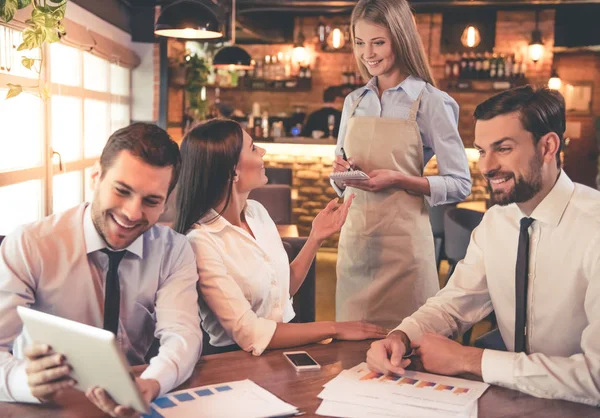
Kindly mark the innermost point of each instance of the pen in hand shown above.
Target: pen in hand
(345, 158)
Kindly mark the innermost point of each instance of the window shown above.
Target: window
(90, 100)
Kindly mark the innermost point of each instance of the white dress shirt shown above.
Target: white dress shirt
(438, 124)
(56, 266)
(563, 298)
(244, 282)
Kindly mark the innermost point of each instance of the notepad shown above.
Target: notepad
(349, 175)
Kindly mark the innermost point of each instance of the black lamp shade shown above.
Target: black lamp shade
(190, 20)
(232, 57)
(536, 38)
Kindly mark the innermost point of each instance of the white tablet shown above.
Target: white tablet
(92, 353)
(349, 175)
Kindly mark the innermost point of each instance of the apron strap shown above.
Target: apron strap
(357, 102)
(415, 107)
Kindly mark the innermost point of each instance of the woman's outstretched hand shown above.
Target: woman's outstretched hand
(330, 219)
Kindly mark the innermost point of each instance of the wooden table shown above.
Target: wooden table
(288, 231)
(273, 372)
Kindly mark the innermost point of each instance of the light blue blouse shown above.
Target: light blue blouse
(438, 123)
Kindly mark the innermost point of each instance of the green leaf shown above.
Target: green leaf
(27, 62)
(8, 10)
(52, 36)
(14, 90)
(24, 3)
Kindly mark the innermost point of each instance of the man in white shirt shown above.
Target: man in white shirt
(543, 285)
(105, 264)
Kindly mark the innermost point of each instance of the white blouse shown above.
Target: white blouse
(244, 282)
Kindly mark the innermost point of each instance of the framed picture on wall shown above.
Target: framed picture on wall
(578, 97)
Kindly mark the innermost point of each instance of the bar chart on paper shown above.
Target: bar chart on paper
(359, 392)
(243, 398)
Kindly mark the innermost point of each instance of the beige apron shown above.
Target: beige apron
(386, 264)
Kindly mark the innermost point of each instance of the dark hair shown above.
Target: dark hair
(210, 153)
(330, 94)
(541, 111)
(146, 141)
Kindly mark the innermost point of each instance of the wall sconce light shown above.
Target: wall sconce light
(555, 82)
(189, 20)
(536, 46)
(299, 53)
(336, 39)
(470, 37)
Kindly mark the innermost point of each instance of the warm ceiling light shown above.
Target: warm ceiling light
(189, 20)
(470, 37)
(555, 82)
(232, 57)
(336, 39)
(536, 46)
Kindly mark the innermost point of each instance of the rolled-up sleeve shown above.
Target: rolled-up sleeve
(18, 272)
(177, 322)
(226, 299)
(438, 123)
(575, 378)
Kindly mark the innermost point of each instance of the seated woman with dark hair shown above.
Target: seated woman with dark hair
(246, 282)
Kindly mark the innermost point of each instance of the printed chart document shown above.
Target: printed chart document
(359, 392)
(243, 399)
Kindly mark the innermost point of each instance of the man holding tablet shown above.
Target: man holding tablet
(108, 265)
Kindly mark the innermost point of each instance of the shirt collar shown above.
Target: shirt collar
(411, 85)
(551, 209)
(214, 223)
(95, 242)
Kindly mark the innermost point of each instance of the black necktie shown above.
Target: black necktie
(521, 283)
(112, 297)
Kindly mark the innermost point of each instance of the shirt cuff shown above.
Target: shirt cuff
(497, 368)
(162, 372)
(411, 329)
(438, 192)
(339, 191)
(267, 330)
(18, 387)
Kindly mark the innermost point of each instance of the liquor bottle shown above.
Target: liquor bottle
(257, 127)
(448, 69)
(308, 72)
(478, 66)
(494, 67)
(352, 78)
(301, 72)
(456, 67)
(501, 67)
(472, 60)
(508, 67)
(486, 66)
(265, 125)
(321, 32)
(516, 72)
(523, 69)
(463, 65)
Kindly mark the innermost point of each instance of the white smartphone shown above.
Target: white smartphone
(301, 361)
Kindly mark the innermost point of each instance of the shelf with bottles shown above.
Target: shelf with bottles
(484, 72)
(261, 84)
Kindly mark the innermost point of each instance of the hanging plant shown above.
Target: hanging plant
(197, 70)
(44, 26)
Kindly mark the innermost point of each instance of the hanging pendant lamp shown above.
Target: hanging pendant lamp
(189, 19)
(232, 57)
(536, 46)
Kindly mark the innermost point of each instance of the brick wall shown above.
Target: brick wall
(581, 156)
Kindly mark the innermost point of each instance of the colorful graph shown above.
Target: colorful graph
(407, 381)
(425, 384)
(371, 376)
(444, 387)
(391, 378)
(459, 391)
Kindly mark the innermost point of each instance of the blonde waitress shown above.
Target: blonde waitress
(390, 128)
